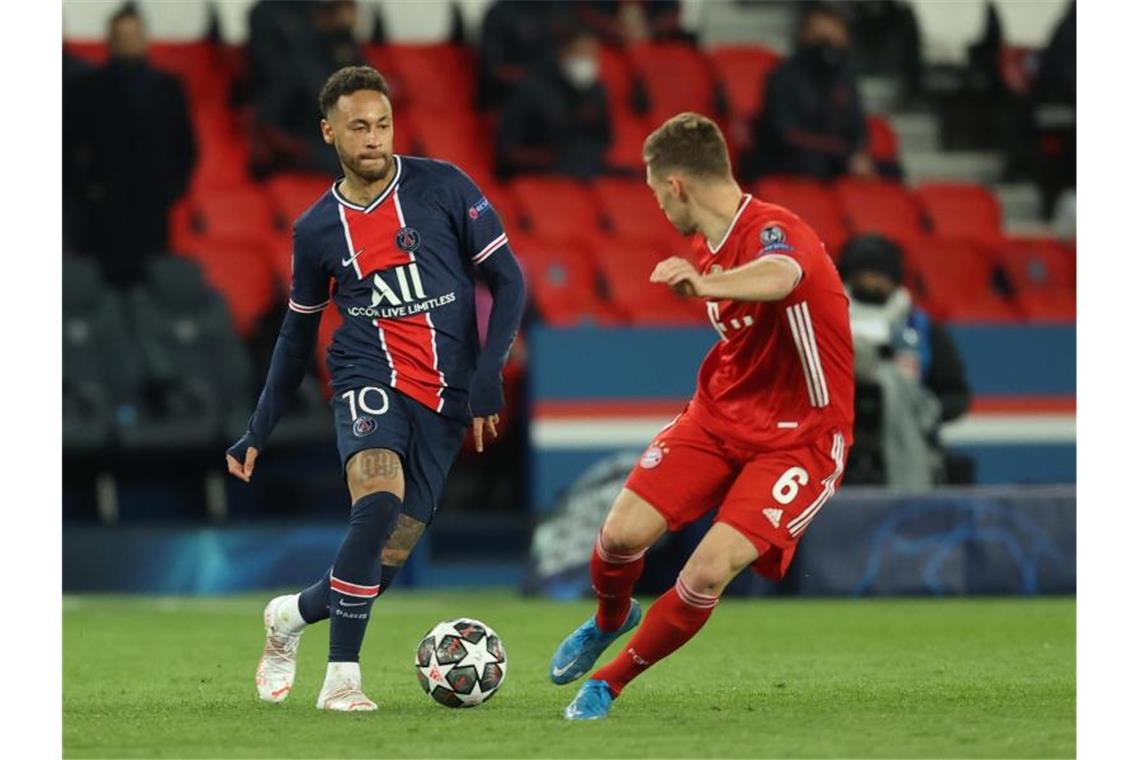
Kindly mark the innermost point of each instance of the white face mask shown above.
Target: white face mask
(581, 71)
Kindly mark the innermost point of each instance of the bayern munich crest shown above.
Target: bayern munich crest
(363, 425)
(407, 239)
(652, 457)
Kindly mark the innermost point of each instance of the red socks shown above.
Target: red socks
(671, 621)
(613, 576)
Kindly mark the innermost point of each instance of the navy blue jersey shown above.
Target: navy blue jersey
(403, 273)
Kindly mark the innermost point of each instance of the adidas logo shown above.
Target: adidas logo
(774, 516)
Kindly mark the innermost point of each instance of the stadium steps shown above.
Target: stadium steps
(879, 94)
(771, 25)
(917, 131)
(984, 167)
(1020, 203)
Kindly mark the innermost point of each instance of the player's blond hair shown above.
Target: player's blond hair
(689, 142)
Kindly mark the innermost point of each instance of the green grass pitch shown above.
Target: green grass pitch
(146, 677)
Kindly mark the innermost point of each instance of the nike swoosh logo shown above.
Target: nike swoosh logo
(351, 604)
(559, 671)
(350, 259)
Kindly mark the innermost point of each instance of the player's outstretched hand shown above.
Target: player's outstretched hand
(680, 275)
(243, 469)
(479, 424)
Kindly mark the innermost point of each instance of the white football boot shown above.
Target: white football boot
(278, 664)
(342, 691)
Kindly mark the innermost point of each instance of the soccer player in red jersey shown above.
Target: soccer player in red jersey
(764, 437)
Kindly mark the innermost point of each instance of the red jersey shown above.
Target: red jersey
(781, 374)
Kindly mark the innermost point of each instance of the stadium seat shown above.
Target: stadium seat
(743, 71)
(460, 138)
(241, 212)
(961, 210)
(238, 270)
(629, 133)
(882, 142)
(623, 89)
(292, 194)
(630, 210)
(626, 264)
(101, 368)
(198, 64)
(1042, 273)
(879, 206)
(439, 76)
(812, 201)
(953, 279)
(556, 209)
(198, 370)
(562, 280)
(677, 78)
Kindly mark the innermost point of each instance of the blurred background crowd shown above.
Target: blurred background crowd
(931, 147)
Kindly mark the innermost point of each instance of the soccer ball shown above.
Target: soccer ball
(461, 663)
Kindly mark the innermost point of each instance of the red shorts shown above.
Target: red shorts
(771, 497)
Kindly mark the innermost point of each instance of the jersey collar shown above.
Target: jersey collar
(378, 199)
(713, 249)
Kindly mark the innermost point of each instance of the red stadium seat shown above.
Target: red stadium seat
(556, 209)
(238, 269)
(459, 138)
(954, 280)
(743, 72)
(882, 142)
(879, 206)
(441, 76)
(199, 65)
(234, 213)
(626, 264)
(631, 210)
(93, 52)
(629, 133)
(1043, 275)
(961, 210)
(616, 73)
(677, 78)
(562, 280)
(292, 194)
(813, 202)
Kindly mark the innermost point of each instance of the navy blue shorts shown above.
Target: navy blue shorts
(378, 417)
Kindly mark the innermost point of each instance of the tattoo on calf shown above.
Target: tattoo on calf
(404, 537)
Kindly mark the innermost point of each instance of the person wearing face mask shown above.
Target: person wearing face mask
(128, 152)
(812, 122)
(557, 121)
(909, 377)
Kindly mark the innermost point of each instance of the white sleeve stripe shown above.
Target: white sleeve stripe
(306, 309)
(490, 248)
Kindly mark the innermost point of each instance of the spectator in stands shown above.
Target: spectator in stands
(517, 36)
(812, 122)
(909, 378)
(293, 49)
(1054, 101)
(628, 22)
(128, 153)
(558, 120)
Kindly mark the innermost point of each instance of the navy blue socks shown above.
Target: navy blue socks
(354, 582)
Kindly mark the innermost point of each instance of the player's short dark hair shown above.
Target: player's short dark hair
(348, 80)
(128, 10)
(689, 142)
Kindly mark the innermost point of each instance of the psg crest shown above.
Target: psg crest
(363, 425)
(407, 239)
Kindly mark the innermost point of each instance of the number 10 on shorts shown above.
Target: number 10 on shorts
(369, 400)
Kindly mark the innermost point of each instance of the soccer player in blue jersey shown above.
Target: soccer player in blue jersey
(400, 239)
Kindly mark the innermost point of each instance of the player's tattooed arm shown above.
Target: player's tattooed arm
(766, 279)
